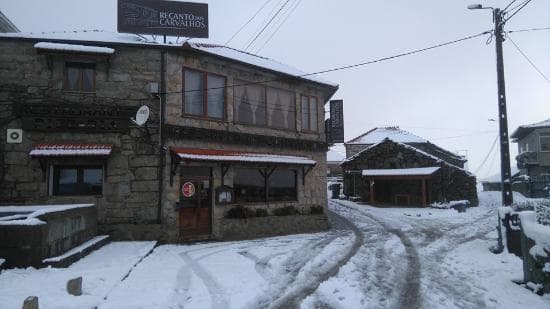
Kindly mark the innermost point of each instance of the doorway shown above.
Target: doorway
(195, 201)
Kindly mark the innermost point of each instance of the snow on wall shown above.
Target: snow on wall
(74, 48)
(539, 233)
(32, 212)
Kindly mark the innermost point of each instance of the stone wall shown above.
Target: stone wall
(130, 189)
(448, 183)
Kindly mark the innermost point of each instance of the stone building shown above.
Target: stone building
(234, 146)
(393, 166)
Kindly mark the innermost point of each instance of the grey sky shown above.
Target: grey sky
(439, 94)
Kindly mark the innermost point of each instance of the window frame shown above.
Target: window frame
(235, 111)
(308, 129)
(54, 184)
(266, 197)
(204, 76)
(545, 136)
(81, 66)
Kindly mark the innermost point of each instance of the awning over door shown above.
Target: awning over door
(237, 156)
(70, 149)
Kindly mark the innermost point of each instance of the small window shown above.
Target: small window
(250, 103)
(545, 143)
(309, 114)
(204, 94)
(80, 77)
(77, 180)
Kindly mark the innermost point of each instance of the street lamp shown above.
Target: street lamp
(505, 171)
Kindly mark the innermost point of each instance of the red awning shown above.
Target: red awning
(238, 156)
(71, 149)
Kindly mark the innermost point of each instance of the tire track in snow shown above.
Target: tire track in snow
(219, 299)
(299, 291)
(409, 296)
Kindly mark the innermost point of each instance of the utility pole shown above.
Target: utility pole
(505, 172)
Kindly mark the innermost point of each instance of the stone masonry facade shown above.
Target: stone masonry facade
(128, 207)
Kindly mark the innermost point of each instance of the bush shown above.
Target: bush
(240, 212)
(285, 211)
(260, 212)
(316, 210)
(542, 210)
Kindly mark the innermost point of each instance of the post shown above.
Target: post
(424, 197)
(505, 172)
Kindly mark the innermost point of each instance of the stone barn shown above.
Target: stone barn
(391, 171)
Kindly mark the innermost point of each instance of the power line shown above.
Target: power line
(248, 22)
(528, 60)
(509, 4)
(464, 135)
(487, 156)
(266, 25)
(521, 7)
(291, 11)
(525, 30)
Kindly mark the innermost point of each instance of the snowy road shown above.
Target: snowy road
(371, 258)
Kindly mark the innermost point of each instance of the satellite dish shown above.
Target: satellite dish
(142, 115)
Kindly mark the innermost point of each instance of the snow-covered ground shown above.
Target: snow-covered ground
(372, 258)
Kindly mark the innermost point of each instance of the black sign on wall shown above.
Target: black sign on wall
(336, 122)
(163, 17)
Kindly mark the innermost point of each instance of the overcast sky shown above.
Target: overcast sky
(445, 95)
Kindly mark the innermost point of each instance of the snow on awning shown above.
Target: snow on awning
(73, 48)
(52, 150)
(237, 156)
(420, 171)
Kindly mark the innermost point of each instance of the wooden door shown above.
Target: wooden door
(196, 202)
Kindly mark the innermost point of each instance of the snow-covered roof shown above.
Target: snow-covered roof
(237, 156)
(99, 37)
(377, 135)
(334, 155)
(524, 130)
(418, 171)
(44, 150)
(75, 48)
(30, 213)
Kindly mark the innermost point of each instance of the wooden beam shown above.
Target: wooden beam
(424, 197)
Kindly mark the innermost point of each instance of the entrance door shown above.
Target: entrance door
(195, 201)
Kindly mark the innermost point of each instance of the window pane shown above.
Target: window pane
(193, 100)
(282, 185)
(305, 113)
(281, 107)
(92, 181)
(248, 185)
(216, 97)
(545, 143)
(88, 76)
(313, 114)
(73, 79)
(250, 103)
(67, 181)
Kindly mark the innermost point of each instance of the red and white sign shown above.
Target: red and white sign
(188, 189)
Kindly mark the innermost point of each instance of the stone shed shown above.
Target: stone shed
(395, 173)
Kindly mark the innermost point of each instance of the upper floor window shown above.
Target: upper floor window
(545, 142)
(309, 114)
(80, 77)
(204, 94)
(264, 106)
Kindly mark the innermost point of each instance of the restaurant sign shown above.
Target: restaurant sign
(163, 17)
(336, 122)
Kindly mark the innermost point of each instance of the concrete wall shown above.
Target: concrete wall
(28, 245)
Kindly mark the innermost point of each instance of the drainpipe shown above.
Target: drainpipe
(162, 150)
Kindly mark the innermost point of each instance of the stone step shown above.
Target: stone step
(78, 252)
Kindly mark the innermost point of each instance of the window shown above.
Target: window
(80, 77)
(250, 185)
(282, 185)
(204, 94)
(309, 114)
(264, 106)
(544, 142)
(77, 180)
